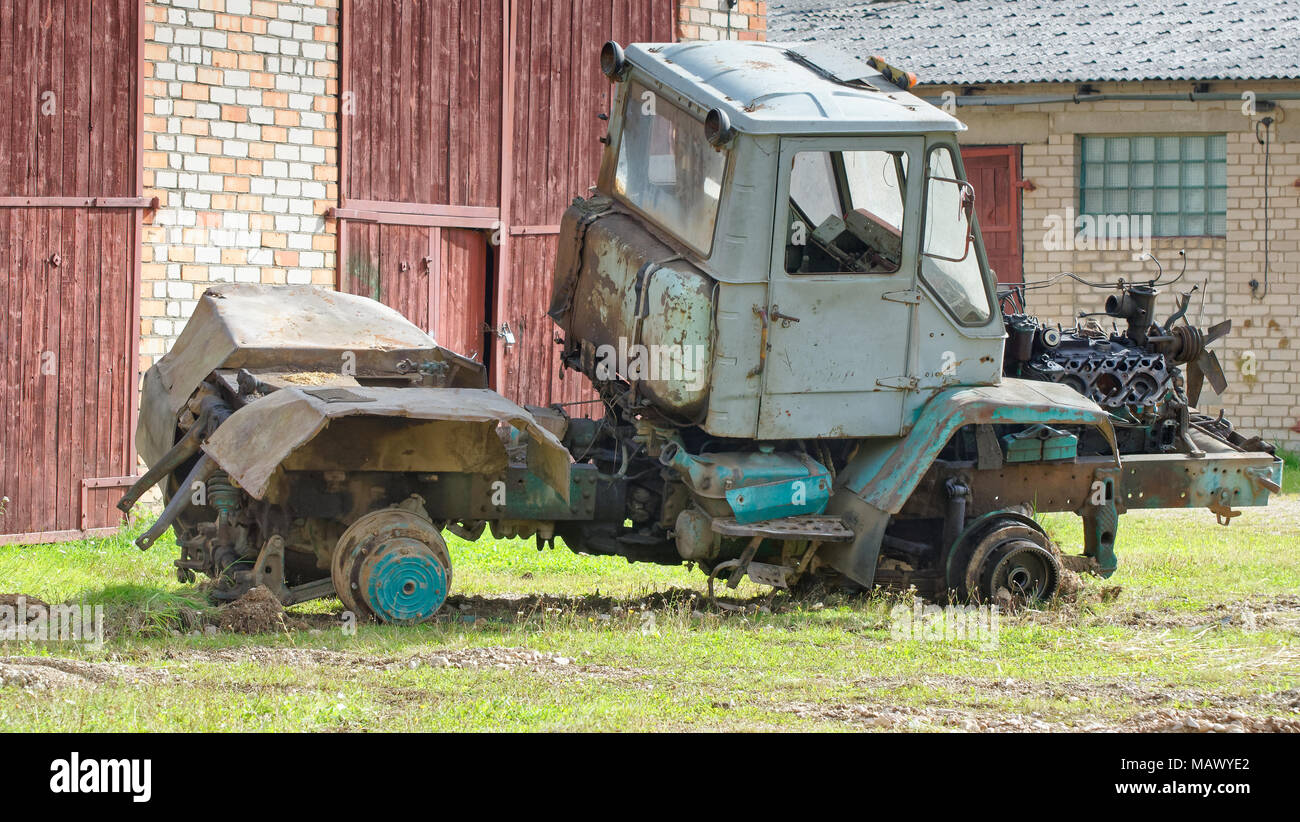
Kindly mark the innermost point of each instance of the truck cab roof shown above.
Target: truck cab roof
(789, 88)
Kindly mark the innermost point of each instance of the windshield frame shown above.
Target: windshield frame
(842, 194)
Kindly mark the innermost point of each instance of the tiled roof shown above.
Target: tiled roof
(1026, 41)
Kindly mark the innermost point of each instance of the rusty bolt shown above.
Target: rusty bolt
(56, 259)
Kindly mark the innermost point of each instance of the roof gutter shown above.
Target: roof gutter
(1043, 99)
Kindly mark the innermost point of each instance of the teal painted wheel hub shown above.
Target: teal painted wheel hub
(405, 585)
(392, 565)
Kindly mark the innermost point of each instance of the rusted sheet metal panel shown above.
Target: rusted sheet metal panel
(256, 439)
(68, 291)
(1234, 479)
(884, 473)
(558, 92)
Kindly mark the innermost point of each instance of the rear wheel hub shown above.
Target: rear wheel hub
(1004, 551)
(392, 565)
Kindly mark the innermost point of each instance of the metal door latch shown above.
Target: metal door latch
(783, 319)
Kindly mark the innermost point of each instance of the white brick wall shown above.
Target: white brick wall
(241, 149)
(1267, 403)
(708, 20)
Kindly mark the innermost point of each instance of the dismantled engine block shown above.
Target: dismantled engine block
(1129, 368)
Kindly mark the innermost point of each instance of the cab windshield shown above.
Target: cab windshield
(666, 168)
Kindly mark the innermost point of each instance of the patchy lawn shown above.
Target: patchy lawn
(1200, 623)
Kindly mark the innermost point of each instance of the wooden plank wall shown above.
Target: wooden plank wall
(437, 277)
(559, 90)
(426, 79)
(67, 307)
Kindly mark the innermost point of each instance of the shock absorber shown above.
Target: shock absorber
(223, 496)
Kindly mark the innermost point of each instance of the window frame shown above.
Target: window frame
(687, 108)
(910, 146)
(976, 247)
(1207, 186)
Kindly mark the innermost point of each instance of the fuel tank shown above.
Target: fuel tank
(633, 309)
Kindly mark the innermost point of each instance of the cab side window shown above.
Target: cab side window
(846, 212)
(950, 264)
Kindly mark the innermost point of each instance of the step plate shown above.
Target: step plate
(822, 528)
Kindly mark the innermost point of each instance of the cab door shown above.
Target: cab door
(842, 294)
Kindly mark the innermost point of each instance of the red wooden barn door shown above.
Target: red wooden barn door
(558, 91)
(70, 215)
(420, 174)
(994, 171)
(428, 221)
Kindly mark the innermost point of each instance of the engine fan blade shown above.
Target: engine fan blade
(1209, 365)
(1195, 381)
(1216, 331)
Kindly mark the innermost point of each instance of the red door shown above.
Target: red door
(70, 221)
(994, 171)
(420, 182)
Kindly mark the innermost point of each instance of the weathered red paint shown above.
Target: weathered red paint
(994, 171)
(70, 205)
(426, 147)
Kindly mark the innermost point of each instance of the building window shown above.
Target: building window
(1181, 182)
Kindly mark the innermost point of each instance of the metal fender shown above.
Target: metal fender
(883, 474)
(364, 428)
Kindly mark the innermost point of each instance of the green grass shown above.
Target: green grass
(1290, 472)
(1207, 618)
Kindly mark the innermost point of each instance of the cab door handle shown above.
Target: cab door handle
(783, 319)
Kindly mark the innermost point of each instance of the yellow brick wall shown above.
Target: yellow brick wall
(1265, 328)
